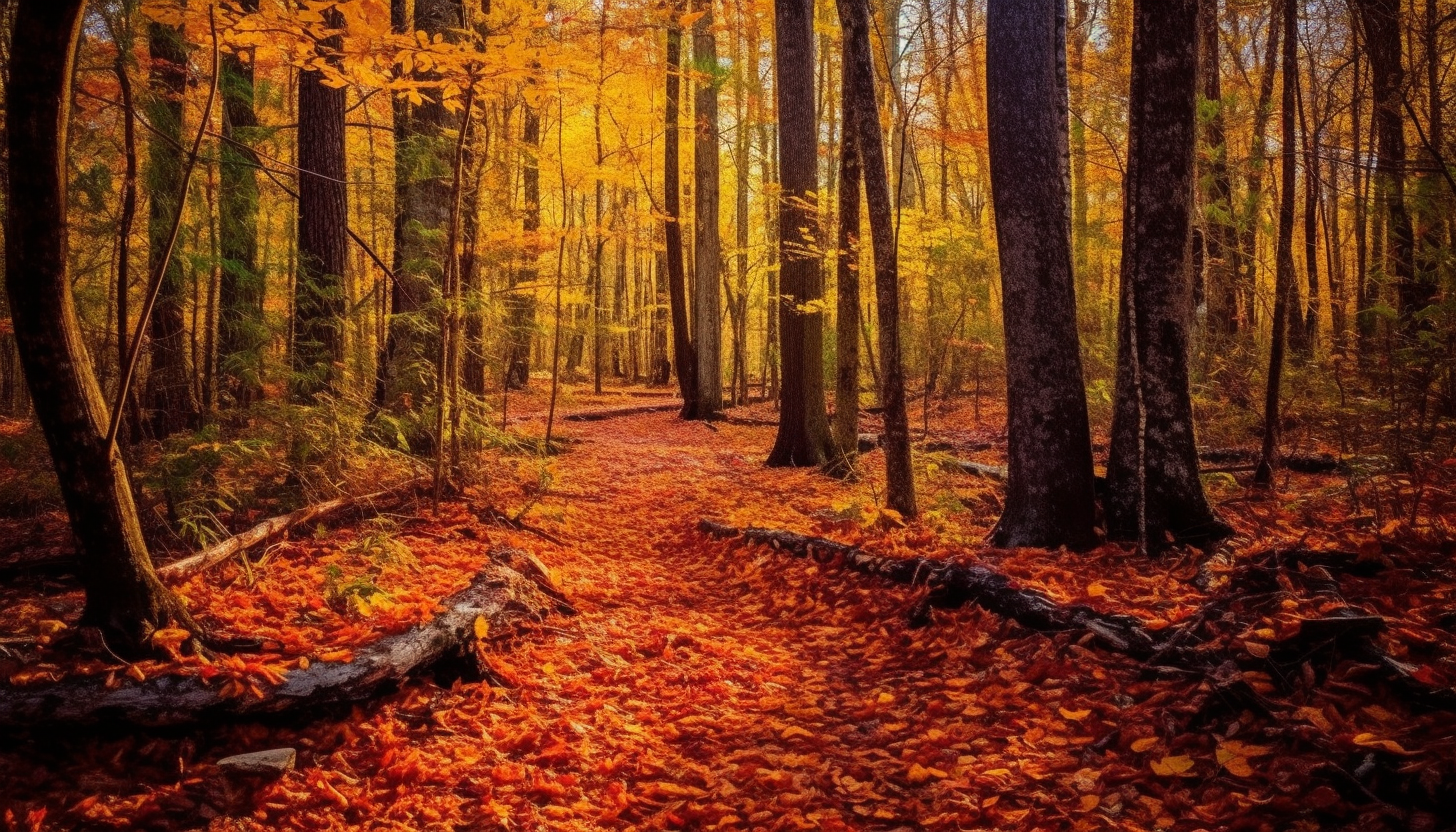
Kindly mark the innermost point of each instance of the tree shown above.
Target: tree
(682, 345)
(1049, 494)
(241, 331)
(323, 214)
(854, 16)
(520, 302)
(707, 246)
(124, 598)
(422, 186)
(1220, 284)
(1284, 292)
(803, 435)
(846, 258)
(1154, 493)
(170, 403)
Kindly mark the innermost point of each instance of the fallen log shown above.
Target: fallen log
(618, 412)
(497, 598)
(990, 472)
(276, 526)
(1240, 459)
(1349, 632)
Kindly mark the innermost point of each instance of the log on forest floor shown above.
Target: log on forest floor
(1241, 459)
(1349, 632)
(619, 412)
(499, 597)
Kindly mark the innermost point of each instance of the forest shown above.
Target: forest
(728, 414)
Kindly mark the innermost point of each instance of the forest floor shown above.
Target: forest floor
(709, 685)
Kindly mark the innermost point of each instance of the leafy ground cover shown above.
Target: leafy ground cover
(708, 685)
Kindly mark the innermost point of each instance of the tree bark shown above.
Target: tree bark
(847, 288)
(1221, 284)
(422, 185)
(683, 354)
(1049, 495)
(169, 401)
(124, 598)
(242, 333)
(323, 215)
(803, 435)
(521, 303)
(1284, 292)
(1249, 221)
(707, 245)
(854, 16)
(1154, 494)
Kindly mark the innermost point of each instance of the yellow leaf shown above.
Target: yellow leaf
(1237, 766)
(1372, 741)
(1096, 590)
(884, 698)
(170, 639)
(1090, 802)
(1075, 716)
(482, 628)
(1179, 766)
(997, 772)
(1144, 744)
(687, 20)
(1235, 748)
(1315, 717)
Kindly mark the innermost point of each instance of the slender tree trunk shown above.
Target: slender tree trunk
(1258, 161)
(323, 215)
(126, 222)
(682, 345)
(1049, 495)
(846, 323)
(1364, 321)
(1221, 284)
(1154, 494)
(803, 435)
(854, 16)
(521, 302)
(1284, 293)
(1309, 331)
(170, 402)
(707, 246)
(124, 598)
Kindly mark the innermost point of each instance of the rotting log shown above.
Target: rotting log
(276, 526)
(498, 595)
(619, 412)
(1349, 631)
(1240, 459)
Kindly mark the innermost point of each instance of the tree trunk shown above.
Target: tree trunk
(124, 598)
(1220, 286)
(521, 303)
(682, 345)
(1049, 496)
(707, 246)
(242, 333)
(803, 435)
(1154, 494)
(1380, 25)
(1284, 292)
(422, 151)
(323, 214)
(170, 403)
(847, 259)
(1258, 159)
(854, 16)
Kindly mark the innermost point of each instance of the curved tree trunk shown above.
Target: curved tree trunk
(123, 596)
(803, 436)
(682, 344)
(1049, 498)
(1154, 493)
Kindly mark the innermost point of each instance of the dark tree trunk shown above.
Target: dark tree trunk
(319, 304)
(1154, 493)
(169, 400)
(682, 343)
(1219, 233)
(1049, 495)
(422, 173)
(521, 302)
(1309, 316)
(803, 436)
(1284, 292)
(1380, 24)
(846, 323)
(123, 596)
(242, 335)
(854, 17)
(707, 246)
(1248, 270)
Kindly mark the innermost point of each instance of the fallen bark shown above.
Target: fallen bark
(498, 595)
(276, 526)
(990, 472)
(1240, 459)
(1349, 632)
